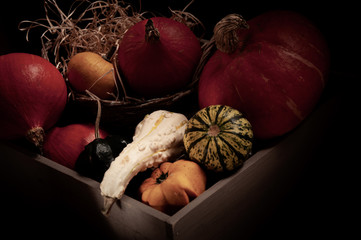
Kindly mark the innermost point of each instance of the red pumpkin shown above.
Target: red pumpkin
(158, 56)
(64, 144)
(33, 96)
(274, 75)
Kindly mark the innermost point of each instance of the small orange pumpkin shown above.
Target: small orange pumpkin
(173, 185)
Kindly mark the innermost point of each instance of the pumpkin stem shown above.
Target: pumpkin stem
(213, 130)
(162, 177)
(97, 120)
(226, 33)
(99, 112)
(36, 136)
(151, 33)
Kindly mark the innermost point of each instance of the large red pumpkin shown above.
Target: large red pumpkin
(274, 74)
(33, 96)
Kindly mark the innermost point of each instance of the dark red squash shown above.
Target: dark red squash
(64, 144)
(158, 56)
(33, 96)
(272, 68)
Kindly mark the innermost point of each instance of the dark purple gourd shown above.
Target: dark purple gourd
(97, 156)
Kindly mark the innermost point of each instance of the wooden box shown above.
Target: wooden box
(230, 209)
(35, 187)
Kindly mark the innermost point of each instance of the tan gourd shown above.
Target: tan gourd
(89, 71)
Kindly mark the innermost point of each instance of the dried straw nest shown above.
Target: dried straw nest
(99, 27)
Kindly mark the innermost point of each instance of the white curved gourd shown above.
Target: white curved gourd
(158, 137)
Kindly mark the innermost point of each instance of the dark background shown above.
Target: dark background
(322, 202)
(337, 20)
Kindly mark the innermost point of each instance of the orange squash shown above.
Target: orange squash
(171, 186)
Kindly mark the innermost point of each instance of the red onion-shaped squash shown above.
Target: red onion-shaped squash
(33, 95)
(158, 56)
(272, 68)
(64, 144)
